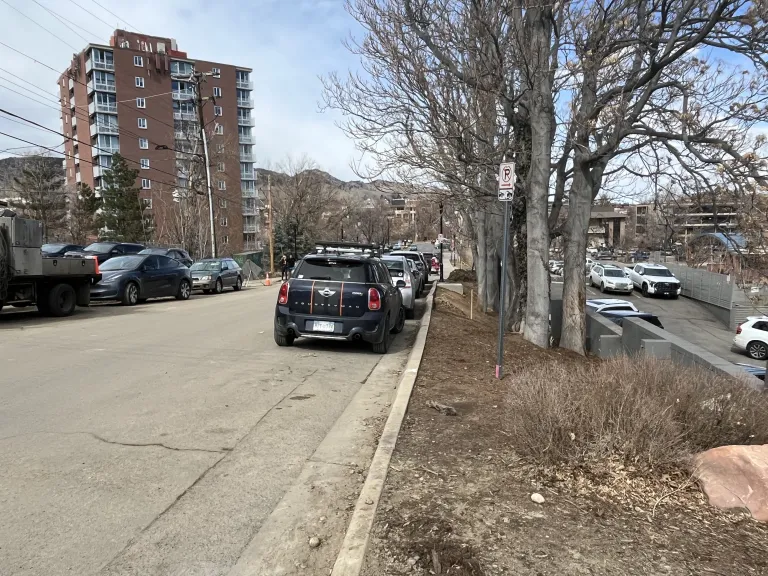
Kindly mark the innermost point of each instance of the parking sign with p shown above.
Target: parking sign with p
(506, 181)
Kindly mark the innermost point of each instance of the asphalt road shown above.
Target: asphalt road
(157, 439)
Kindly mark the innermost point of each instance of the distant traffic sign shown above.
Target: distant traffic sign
(507, 179)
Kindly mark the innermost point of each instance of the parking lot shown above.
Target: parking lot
(156, 439)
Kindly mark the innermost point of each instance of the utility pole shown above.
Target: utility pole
(197, 78)
(442, 279)
(271, 234)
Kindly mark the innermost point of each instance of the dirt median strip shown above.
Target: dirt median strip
(349, 562)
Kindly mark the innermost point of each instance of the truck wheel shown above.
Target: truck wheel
(130, 296)
(645, 290)
(383, 346)
(62, 300)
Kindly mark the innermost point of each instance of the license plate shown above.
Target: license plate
(323, 326)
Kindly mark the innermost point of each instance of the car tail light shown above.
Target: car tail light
(407, 281)
(374, 299)
(282, 297)
(738, 329)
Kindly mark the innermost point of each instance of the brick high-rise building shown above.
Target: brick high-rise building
(134, 97)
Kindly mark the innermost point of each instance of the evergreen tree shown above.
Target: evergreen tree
(123, 217)
(83, 226)
(40, 195)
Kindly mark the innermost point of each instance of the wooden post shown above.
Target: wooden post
(471, 304)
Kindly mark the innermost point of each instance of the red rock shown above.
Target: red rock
(735, 477)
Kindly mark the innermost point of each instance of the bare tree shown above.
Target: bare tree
(83, 204)
(39, 194)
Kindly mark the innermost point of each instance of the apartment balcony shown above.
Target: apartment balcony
(101, 86)
(71, 84)
(99, 150)
(251, 245)
(245, 121)
(245, 103)
(78, 178)
(93, 107)
(77, 158)
(247, 175)
(74, 122)
(183, 95)
(246, 157)
(98, 171)
(92, 64)
(250, 228)
(103, 128)
(243, 139)
(250, 211)
(248, 192)
(185, 116)
(245, 85)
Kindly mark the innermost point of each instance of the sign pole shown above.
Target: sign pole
(500, 355)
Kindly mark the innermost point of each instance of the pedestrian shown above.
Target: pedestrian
(284, 267)
(291, 263)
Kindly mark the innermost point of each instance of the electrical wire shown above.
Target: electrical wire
(64, 21)
(43, 90)
(36, 23)
(115, 15)
(91, 13)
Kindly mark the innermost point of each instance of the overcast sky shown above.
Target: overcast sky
(288, 43)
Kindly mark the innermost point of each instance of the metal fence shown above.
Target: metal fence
(709, 287)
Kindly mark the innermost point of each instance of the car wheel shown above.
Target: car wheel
(62, 300)
(400, 322)
(283, 339)
(219, 287)
(383, 346)
(645, 290)
(185, 290)
(130, 295)
(602, 287)
(239, 284)
(757, 350)
(410, 313)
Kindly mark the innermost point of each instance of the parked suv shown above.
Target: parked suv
(103, 251)
(176, 253)
(752, 337)
(654, 279)
(610, 278)
(340, 297)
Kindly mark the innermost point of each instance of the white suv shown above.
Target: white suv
(610, 278)
(752, 337)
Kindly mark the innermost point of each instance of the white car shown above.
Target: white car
(610, 278)
(606, 304)
(654, 279)
(752, 337)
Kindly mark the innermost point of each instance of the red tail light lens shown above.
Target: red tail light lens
(738, 329)
(282, 297)
(374, 299)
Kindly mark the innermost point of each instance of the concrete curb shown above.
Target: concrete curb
(349, 562)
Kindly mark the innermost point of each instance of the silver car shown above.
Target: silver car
(400, 270)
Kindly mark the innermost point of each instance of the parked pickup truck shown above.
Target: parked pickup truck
(55, 285)
(654, 279)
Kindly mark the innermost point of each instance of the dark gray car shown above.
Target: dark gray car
(215, 274)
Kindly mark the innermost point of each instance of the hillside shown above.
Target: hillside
(11, 168)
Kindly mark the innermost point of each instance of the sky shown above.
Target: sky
(289, 44)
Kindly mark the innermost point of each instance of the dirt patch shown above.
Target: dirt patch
(457, 500)
(459, 275)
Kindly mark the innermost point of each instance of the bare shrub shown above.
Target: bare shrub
(642, 411)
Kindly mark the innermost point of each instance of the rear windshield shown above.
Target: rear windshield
(613, 273)
(335, 270)
(394, 264)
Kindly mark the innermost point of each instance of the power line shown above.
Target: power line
(65, 21)
(36, 23)
(115, 15)
(91, 13)
(22, 94)
(43, 90)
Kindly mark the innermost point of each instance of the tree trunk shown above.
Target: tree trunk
(517, 257)
(479, 251)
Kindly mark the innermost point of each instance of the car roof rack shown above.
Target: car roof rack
(354, 248)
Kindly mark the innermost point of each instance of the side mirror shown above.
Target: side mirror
(400, 283)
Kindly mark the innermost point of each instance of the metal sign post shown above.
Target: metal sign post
(506, 192)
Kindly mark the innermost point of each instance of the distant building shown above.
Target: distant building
(607, 226)
(133, 97)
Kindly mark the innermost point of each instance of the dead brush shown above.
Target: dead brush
(637, 410)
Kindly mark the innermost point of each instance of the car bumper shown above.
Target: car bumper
(198, 284)
(105, 292)
(369, 327)
(625, 289)
(664, 291)
(740, 343)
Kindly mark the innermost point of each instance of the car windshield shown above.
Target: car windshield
(210, 266)
(53, 247)
(154, 251)
(613, 273)
(338, 270)
(658, 272)
(100, 247)
(394, 264)
(122, 263)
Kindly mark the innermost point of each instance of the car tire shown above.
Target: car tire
(400, 324)
(130, 295)
(238, 285)
(410, 313)
(185, 290)
(757, 350)
(602, 287)
(283, 339)
(645, 290)
(219, 288)
(383, 346)
(62, 300)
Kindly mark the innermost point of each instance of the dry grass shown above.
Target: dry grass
(641, 411)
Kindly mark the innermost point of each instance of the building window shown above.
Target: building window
(139, 82)
(220, 167)
(141, 103)
(216, 72)
(225, 239)
(217, 111)
(138, 61)
(222, 202)
(144, 163)
(220, 148)
(223, 221)
(219, 129)
(143, 123)
(143, 143)
(147, 202)
(146, 184)
(222, 185)
(217, 92)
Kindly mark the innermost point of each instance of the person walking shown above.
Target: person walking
(291, 262)
(284, 267)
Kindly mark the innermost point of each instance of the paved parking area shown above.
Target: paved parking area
(156, 439)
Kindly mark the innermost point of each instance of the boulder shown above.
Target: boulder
(735, 477)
